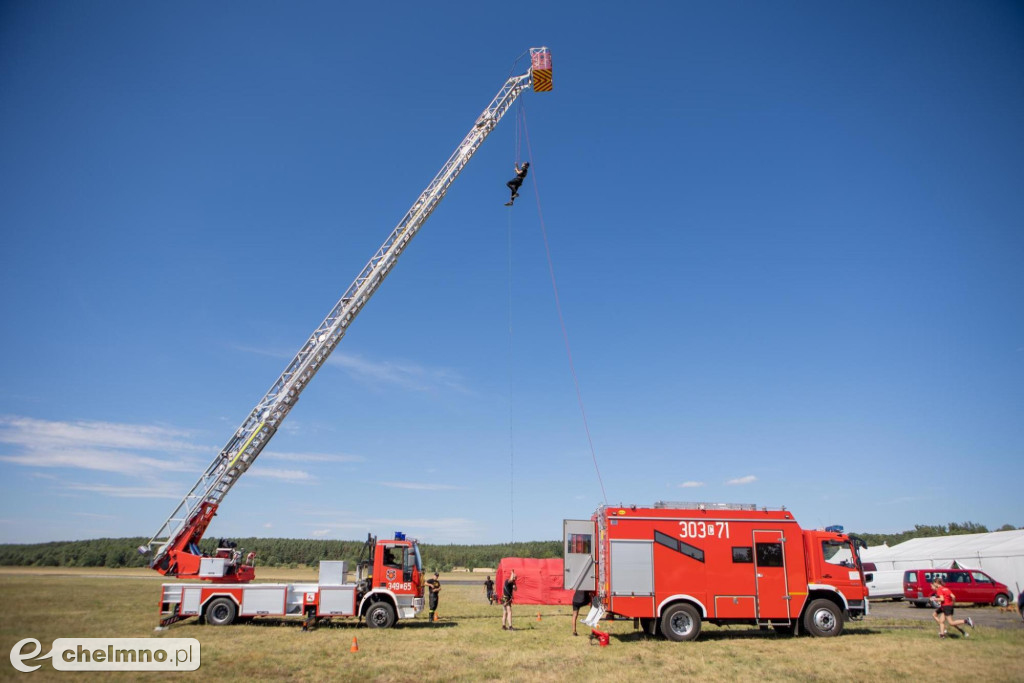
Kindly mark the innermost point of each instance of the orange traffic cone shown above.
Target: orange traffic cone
(355, 645)
(435, 616)
(538, 616)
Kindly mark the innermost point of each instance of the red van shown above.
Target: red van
(968, 585)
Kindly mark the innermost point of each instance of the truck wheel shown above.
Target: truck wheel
(823, 619)
(380, 615)
(221, 611)
(1002, 600)
(680, 622)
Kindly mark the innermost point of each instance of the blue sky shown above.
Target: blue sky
(787, 240)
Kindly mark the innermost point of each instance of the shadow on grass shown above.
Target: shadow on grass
(335, 624)
(325, 623)
(726, 635)
(416, 624)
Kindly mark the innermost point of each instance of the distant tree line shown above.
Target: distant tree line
(929, 531)
(292, 552)
(270, 552)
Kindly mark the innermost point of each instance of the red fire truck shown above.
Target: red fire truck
(672, 566)
(387, 586)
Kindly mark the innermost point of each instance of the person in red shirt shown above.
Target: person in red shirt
(944, 599)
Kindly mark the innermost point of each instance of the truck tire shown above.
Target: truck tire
(822, 619)
(380, 615)
(221, 611)
(680, 622)
(1002, 600)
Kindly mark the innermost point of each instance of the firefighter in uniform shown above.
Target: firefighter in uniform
(489, 589)
(508, 590)
(434, 585)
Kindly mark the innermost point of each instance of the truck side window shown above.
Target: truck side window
(744, 555)
(578, 544)
(679, 546)
(981, 578)
(769, 555)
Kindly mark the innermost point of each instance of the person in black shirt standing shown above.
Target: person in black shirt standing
(489, 589)
(507, 593)
(435, 588)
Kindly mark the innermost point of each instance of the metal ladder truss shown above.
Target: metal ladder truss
(252, 436)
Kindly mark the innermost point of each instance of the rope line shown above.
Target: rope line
(558, 306)
(511, 422)
(515, 63)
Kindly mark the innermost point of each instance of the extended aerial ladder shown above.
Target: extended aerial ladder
(175, 545)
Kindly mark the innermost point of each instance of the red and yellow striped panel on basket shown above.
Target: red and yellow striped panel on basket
(542, 80)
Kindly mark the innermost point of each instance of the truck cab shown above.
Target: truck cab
(389, 580)
(834, 565)
(397, 567)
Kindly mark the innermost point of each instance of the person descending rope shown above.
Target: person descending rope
(516, 182)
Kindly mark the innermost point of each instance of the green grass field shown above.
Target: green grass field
(468, 643)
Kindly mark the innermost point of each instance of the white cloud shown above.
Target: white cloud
(373, 373)
(31, 432)
(112, 491)
(903, 500)
(103, 446)
(419, 486)
(104, 461)
(452, 529)
(312, 457)
(749, 479)
(283, 475)
(320, 512)
(403, 374)
(691, 484)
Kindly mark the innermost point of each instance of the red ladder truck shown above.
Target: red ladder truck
(388, 583)
(672, 566)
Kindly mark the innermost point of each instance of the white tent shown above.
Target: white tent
(1000, 554)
